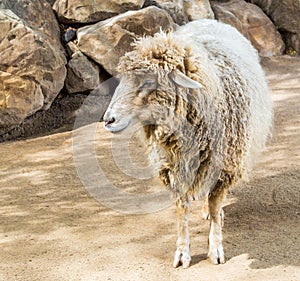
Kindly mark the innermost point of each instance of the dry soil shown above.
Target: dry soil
(52, 228)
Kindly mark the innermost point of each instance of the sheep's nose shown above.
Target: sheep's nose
(109, 121)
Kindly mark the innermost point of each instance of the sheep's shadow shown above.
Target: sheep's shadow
(265, 221)
(198, 258)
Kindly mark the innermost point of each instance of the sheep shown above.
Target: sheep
(205, 109)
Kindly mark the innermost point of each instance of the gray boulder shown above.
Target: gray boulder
(105, 42)
(88, 11)
(285, 14)
(32, 60)
(198, 9)
(251, 21)
(82, 73)
(183, 11)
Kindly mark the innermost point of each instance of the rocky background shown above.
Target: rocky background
(54, 53)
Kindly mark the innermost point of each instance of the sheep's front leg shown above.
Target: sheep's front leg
(215, 199)
(182, 254)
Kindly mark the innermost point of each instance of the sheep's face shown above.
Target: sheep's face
(141, 98)
(130, 104)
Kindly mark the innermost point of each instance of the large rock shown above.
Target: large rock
(36, 15)
(285, 14)
(19, 97)
(183, 11)
(30, 55)
(198, 9)
(174, 8)
(88, 11)
(105, 42)
(253, 23)
(82, 74)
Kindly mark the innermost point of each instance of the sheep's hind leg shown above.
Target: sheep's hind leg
(215, 199)
(205, 211)
(182, 254)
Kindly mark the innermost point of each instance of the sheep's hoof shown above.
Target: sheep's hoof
(216, 256)
(183, 259)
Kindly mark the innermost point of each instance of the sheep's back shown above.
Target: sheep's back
(240, 79)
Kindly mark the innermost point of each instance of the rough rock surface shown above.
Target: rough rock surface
(32, 61)
(286, 16)
(88, 11)
(82, 73)
(183, 11)
(36, 15)
(198, 9)
(105, 42)
(19, 97)
(253, 23)
(174, 9)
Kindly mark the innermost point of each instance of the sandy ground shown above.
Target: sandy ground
(52, 228)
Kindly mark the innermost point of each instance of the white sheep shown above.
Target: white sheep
(206, 111)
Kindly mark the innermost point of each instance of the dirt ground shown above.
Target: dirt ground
(52, 228)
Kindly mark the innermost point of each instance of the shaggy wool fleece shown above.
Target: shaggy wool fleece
(202, 135)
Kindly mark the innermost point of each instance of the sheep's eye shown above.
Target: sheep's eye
(148, 84)
(146, 87)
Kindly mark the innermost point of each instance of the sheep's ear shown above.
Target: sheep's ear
(182, 80)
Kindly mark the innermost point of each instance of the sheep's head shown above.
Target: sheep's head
(129, 102)
(150, 76)
(143, 97)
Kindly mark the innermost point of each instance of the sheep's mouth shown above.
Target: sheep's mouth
(116, 127)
